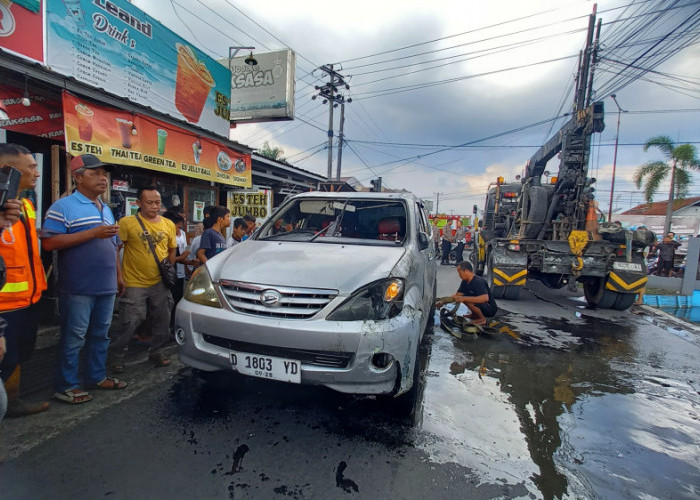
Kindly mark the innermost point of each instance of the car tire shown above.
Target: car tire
(404, 406)
(430, 324)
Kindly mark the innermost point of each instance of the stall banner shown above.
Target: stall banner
(21, 28)
(43, 117)
(126, 139)
(256, 202)
(109, 134)
(111, 44)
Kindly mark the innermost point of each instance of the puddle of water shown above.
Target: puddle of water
(523, 401)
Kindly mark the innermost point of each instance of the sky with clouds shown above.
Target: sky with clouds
(450, 94)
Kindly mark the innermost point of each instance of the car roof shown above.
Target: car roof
(358, 195)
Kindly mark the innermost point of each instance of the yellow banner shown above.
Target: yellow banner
(123, 138)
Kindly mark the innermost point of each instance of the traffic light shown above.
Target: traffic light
(376, 185)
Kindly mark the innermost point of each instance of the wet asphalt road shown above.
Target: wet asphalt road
(556, 401)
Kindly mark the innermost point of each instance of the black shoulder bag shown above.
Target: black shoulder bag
(167, 270)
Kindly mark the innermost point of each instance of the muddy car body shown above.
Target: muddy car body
(341, 298)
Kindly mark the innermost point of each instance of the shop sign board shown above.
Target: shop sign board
(21, 28)
(132, 207)
(256, 202)
(120, 185)
(113, 45)
(43, 117)
(123, 138)
(264, 92)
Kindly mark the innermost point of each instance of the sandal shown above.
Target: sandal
(73, 396)
(160, 360)
(110, 384)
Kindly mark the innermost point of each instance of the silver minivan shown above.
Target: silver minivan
(335, 289)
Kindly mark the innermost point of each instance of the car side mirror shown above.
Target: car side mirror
(423, 241)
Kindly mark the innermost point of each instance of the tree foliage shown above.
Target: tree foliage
(680, 160)
(274, 153)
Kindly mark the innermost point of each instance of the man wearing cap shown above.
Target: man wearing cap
(82, 228)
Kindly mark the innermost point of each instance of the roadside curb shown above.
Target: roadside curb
(670, 317)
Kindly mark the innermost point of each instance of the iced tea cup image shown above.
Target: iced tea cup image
(193, 82)
(125, 127)
(85, 116)
(196, 151)
(162, 136)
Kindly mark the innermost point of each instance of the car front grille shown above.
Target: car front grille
(329, 359)
(289, 302)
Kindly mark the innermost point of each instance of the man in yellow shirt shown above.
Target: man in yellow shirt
(145, 295)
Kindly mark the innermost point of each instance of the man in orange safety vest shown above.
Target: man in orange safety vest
(19, 297)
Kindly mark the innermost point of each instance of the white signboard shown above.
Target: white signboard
(265, 91)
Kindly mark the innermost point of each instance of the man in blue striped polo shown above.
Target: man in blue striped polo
(82, 228)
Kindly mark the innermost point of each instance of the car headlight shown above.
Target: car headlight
(379, 300)
(200, 289)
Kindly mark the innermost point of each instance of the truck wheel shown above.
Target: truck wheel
(536, 210)
(608, 299)
(597, 295)
(496, 291)
(592, 291)
(474, 257)
(512, 292)
(624, 301)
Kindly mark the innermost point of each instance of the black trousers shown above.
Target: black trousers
(446, 247)
(20, 337)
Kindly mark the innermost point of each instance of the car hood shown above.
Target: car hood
(309, 265)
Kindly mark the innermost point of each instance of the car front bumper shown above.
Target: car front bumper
(336, 354)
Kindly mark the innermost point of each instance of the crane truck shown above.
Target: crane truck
(550, 231)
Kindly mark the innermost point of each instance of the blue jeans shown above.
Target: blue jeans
(84, 319)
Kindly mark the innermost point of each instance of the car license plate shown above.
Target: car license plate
(627, 266)
(270, 367)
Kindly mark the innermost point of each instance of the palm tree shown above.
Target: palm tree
(274, 153)
(679, 161)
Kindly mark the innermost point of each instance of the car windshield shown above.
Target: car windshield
(342, 220)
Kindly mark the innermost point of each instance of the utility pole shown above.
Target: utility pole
(617, 138)
(437, 204)
(330, 95)
(340, 134)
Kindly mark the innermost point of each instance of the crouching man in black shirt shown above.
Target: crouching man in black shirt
(475, 293)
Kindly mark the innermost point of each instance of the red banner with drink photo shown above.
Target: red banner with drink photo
(131, 139)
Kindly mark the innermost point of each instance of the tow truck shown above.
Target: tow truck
(551, 231)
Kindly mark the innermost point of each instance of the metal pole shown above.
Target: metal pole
(330, 125)
(617, 138)
(340, 135)
(437, 204)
